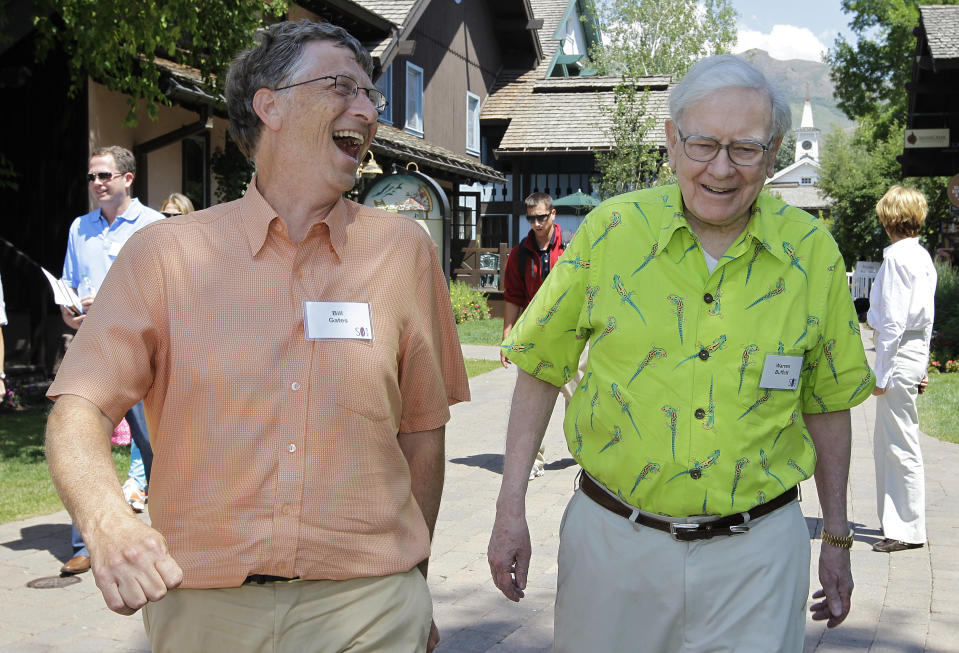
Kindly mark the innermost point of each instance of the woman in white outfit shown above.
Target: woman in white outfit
(901, 306)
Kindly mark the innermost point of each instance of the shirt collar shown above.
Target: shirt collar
(257, 215)
(130, 215)
(763, 226)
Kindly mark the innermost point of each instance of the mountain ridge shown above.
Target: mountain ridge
(797, 78)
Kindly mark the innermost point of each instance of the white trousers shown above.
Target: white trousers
(900, 480)
(624, 588)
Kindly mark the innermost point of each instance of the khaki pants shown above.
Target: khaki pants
(363, 615)
(625, 588)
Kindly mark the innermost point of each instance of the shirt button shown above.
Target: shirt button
(703, 354)
(295, 385)
(708, 298)
(695, 473)
(292, 448)
(700, 413)
(286, 510)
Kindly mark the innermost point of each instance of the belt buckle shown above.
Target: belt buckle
(738, 530)
(684, 532)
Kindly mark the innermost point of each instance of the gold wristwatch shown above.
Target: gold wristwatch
(837, 541)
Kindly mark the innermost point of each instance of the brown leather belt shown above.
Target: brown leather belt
(262, 579)
(686, 532)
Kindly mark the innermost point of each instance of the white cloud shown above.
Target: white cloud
(783, 42)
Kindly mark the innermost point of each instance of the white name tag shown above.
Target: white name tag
(781, 372)
(114, 249)
(337, 321)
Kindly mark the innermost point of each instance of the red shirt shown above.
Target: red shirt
(521, 284)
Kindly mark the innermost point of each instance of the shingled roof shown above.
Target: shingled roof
(397, 143)
(394, 11)
(942, 30)
(561, 114)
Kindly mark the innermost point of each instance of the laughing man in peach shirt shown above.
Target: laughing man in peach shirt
(297, 357)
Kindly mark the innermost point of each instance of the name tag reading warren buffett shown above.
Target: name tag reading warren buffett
(781, 372)
(337, 321)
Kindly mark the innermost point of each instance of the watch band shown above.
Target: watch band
(837, 541)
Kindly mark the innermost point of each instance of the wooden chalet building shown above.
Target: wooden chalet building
(542, 125)
(934, 105)
(436, 60)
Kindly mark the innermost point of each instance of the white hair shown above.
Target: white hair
(726, 71)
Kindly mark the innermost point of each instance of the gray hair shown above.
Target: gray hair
(723, 71)
(123, 157)
(274, 60)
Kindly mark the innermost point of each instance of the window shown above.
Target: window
(385, 86)
(414, 99)
(806, 181)
(472, 123)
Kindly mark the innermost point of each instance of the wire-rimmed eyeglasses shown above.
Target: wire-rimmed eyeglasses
(347, 87)
(745, 152)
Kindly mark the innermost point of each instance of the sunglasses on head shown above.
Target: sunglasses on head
(102, 176)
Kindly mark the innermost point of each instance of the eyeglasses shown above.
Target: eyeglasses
(102, 176)
(169, 214)
(543, 217)
(704, 149)
(348, 88)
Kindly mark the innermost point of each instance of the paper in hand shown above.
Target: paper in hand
(63, 294)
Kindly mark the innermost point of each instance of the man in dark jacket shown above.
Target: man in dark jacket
(526, 269)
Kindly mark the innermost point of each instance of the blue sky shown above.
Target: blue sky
(790, 30)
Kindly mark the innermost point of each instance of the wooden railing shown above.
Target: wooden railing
(472, 273)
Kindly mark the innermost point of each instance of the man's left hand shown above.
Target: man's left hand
(434, 638)
(835, 576)
(878, 391)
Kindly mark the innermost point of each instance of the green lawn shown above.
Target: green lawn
(26, 489)
(476, 366)
(481, 332)
(939, 407)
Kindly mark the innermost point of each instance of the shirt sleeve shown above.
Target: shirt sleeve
(432, 376)
(514, 290)
(837, 376)
(890, 315)
(548, 337)
(111, 360)
(71, 265)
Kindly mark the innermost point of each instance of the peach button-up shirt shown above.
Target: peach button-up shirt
(275, 454)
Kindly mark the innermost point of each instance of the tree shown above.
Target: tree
(786, 155)
(643, 39)
(116, 44)
(857, 170)
(661, 38)
(870, 78)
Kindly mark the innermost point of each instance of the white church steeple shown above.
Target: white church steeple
(807, 136)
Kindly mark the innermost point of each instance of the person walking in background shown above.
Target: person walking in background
(720, 374)
(901, 311)
(176, 204)
(297, 354)
(527, 266)
(93, 244)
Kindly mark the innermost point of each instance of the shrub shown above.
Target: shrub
(468, 303)
(945, 339)
(21, 395)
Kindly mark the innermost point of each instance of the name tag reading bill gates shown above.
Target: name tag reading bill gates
(337, 321)
(781, 372)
